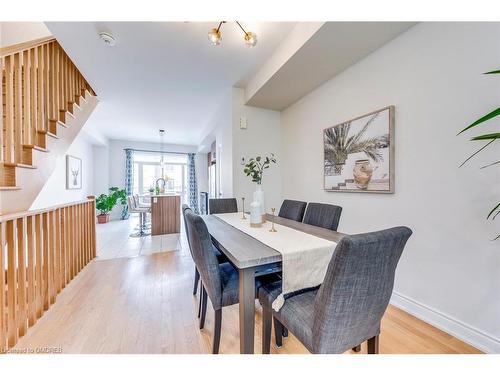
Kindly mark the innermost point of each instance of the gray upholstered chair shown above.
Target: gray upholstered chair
(221, 258)
(323, 215)
(222, 205)
(293, 210)
(348, 306)
(220, 281)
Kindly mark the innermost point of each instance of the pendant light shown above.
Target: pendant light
(162, 159)
(215, 36)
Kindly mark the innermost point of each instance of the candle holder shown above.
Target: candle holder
(273, 229)
(243, 208)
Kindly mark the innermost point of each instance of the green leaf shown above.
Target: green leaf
(477, 152)
(487, 117)
(493, 72)
(493, 210)
(489, 165)
(486, 137)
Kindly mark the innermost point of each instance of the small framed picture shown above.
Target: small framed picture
(73, 172)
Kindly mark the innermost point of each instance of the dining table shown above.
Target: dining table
(252, 259)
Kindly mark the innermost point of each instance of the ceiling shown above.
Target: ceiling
(163, 74)
(332, 49)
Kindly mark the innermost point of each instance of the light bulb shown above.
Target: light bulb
(250, 39)
(214, 37)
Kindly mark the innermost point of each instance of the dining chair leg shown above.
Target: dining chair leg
(204, 298)
(217, 330)
(373, 345)
(357, 348)
(285, 331)
(196, 279)
(267, 323)
(200, 301)
(278, 332)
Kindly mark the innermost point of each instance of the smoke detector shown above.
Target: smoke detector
(107, 38)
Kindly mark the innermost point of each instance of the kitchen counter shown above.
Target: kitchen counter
(165, 214)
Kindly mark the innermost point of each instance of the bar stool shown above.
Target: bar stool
(142, 211)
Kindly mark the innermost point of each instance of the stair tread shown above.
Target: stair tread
(10, 188)
(49, 133)
(20, 165)
(28, 166)
(38, 148)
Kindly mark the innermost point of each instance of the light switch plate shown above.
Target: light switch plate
(243, 122)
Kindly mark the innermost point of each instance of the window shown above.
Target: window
(148, 169)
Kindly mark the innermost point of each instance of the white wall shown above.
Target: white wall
(302, 32)
(261, 137)
(54, 191)
(101, 169)
(450, 271)
(19, 32)
(220, 128)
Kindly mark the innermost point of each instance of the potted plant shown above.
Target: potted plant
(104, 204)
(255, 169)
(121, 197)
(489, 138)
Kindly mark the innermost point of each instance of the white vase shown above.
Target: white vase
(258, 196)
(255, 215)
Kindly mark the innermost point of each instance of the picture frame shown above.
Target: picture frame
(359, 154)
(73, 172)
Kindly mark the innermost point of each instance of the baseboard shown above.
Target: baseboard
(456, 328)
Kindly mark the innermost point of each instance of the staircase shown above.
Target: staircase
(44, 102)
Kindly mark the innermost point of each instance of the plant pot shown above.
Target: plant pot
(103, 218)
(258, 196)
(362, 173)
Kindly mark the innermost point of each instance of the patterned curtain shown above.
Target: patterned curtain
(129, 171)
(129, 179)
(193, 184)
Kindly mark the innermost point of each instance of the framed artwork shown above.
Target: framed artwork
(73, 172)
(359, 154)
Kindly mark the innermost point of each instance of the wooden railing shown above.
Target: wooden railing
(39, 86)
(40, 253)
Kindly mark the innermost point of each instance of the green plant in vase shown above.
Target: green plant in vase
(256, 166)
(490, 138)
(121, 197)
(104, 204)
(255, 170)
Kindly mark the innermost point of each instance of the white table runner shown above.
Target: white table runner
(305, 257)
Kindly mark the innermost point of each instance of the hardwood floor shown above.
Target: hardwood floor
(144, 304)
